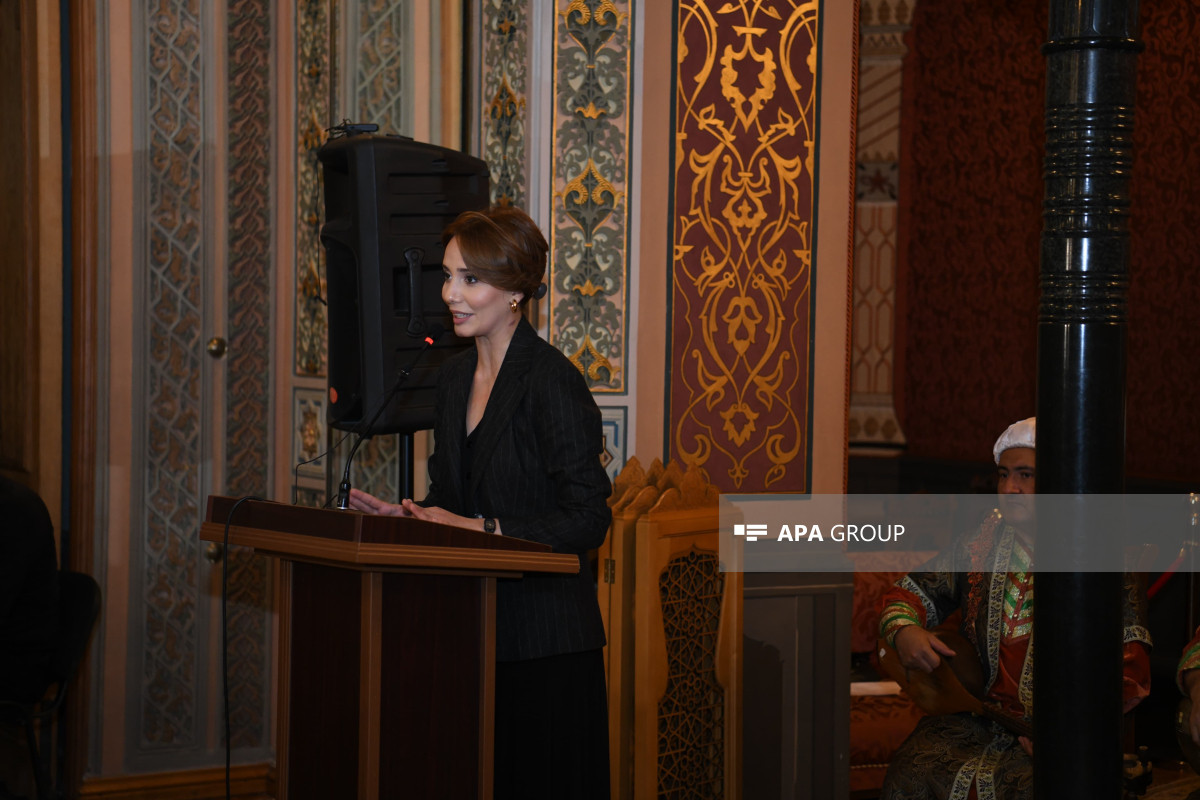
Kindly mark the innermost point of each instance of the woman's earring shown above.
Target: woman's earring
(513, 305)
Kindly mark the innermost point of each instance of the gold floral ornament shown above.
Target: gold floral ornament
(587, 190)
(739, 434)
(586, 15)
(505, 105)
(310, 433)
(741, 315)
(592, 363)
(747, 108)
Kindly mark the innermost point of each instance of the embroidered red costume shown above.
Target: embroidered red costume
(989, 576)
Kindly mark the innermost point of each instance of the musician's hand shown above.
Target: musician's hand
(1026, 745)
(1194, 720)
(1191, 682)
(369, 504)
(920, 649)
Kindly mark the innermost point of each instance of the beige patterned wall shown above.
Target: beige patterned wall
(187, 234)
(380, 64)
(873, 421)
(173, 259)
(213, 114)
(370, 61)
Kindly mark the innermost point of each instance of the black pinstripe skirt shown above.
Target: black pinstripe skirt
(552, 728)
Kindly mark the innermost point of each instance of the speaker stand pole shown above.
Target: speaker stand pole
(405, 483)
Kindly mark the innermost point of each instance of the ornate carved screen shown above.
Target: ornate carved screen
(687, 659)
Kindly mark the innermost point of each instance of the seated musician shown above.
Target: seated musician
(962, 755)
(1188, 678)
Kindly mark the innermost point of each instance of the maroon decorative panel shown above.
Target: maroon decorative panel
(1162, 428)
(742, 226)
(971, 204)
(971, 201)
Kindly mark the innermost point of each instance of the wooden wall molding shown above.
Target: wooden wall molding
(255, 781)
(31, 287)
(84, 202)
(18, 301)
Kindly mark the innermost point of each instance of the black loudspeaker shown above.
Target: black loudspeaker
(387, 200)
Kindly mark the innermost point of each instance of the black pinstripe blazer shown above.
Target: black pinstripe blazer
(535, 467)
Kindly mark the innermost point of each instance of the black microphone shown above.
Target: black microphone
(432, 334)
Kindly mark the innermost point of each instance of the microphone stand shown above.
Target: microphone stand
(343, 495)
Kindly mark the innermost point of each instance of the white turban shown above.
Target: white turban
(1019, 434)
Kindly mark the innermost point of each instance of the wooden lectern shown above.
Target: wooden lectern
(386, 646)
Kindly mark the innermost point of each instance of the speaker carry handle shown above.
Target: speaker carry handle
(414, 257)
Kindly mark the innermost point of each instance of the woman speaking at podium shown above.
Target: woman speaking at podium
(517, 453)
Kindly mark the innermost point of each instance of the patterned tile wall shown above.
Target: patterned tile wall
(589, 235)
(615, 422)
(589, 131)
(165, 655)
(379, 64)
(248, 401)
(505, 28)
(175, 260)
(309, 434)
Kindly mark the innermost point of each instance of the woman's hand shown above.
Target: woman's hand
(441, 516)
(369, 504)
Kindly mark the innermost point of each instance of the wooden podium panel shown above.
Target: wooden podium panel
(387, 647)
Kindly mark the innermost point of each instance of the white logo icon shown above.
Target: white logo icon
(751, 532)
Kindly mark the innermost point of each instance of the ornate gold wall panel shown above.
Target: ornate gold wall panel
(505, 50)
(589, 236)
(742, 236)
(314, 103)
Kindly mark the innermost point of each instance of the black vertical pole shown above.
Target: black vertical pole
(405, 483)
(1091, 71)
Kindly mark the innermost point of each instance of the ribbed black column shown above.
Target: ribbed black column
(1091, 61)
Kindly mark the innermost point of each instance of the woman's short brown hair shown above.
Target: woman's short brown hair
(503, 247)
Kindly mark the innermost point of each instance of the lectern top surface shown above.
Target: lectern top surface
(353, 526)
